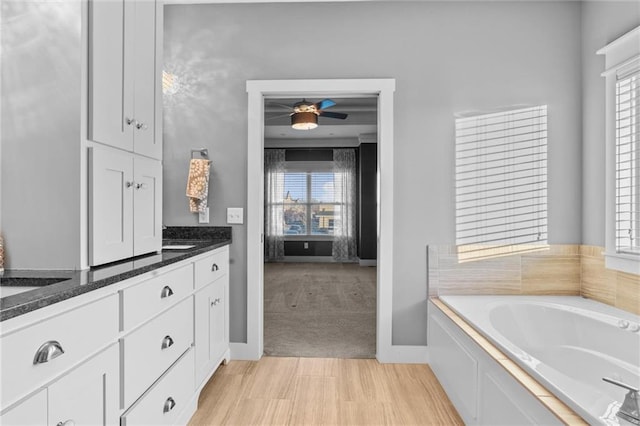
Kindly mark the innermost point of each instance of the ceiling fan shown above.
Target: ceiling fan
(304, 115)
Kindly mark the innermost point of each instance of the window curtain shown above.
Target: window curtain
(344, 233)
(273, 204)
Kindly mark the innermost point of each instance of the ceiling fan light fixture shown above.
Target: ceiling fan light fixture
(304, 120)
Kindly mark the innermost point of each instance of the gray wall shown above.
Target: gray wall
(602, 22)
(446, 57)
(41, 72)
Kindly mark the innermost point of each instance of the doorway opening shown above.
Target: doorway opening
(258, 92)
(320, 227)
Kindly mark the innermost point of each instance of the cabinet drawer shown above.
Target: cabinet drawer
(152, 348)
(211, 267)
(33, 411)
(79, 332)
(150, 297)
(164, 402)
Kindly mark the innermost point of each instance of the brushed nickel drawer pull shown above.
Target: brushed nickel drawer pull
(48, 351)
(214, 267)
(215, 302)
(69, 422)
(167, 342)
(166, 292)
(168, 405)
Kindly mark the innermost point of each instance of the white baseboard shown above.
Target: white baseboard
(404, 354)
(309, 259)
(242, 351)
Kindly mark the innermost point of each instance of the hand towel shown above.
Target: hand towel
(198, 184)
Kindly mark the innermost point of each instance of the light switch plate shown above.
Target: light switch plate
(203, 217)
(235, 215)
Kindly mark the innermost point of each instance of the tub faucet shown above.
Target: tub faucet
(630, 408)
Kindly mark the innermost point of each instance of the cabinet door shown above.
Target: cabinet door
(89, 394)
(110, 205)
(147, 206)
(218, 318)
(202, 332)
(147, 81)
(125, 94)
(33, 412)
(111, 81)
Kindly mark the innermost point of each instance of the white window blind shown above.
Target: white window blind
(309, 201)
(628, 163)
(501, 183)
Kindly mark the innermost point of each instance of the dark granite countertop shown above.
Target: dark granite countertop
(49, 287)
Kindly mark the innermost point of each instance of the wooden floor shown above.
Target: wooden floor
(323, 391)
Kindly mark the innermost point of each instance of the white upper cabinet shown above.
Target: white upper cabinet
(125, 205)
(125, 92)
(110, 206)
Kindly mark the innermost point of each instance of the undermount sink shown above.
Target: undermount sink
(178, 246)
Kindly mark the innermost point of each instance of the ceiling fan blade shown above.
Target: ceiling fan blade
(329, 114)
(278, 116)
(280, 105)
(325, 103)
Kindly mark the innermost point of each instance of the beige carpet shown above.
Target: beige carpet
(323, 310)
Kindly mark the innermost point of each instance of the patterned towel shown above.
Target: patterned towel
(198, 184)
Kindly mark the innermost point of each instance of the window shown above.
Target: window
(628, 164)
(309, 202)
(622, 190)
(501, 183)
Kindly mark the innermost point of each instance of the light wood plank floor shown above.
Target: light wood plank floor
(323, 391)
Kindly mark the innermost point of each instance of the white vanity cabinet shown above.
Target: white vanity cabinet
(87, 395)
(32, 411)
(168, 401)
(125, 75)
(211, 313)
(135, 352)
(125, 205)
(157, 340)
(151, 349)
(62, 366)
(39, 352)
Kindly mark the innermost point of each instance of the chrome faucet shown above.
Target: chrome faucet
(630, 408)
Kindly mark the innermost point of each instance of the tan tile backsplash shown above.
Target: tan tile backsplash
(561, 270)
(614, 288)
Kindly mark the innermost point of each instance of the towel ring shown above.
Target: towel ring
(204, 153)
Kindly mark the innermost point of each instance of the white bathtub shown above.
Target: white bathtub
(567, 343)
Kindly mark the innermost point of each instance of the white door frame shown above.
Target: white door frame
(258, 90)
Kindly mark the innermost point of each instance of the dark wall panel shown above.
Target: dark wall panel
(367, 241)
(315, 248)
(308, 155)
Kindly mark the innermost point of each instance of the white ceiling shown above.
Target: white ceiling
(361, 120)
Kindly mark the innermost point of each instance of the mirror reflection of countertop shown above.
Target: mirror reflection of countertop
(23, 291)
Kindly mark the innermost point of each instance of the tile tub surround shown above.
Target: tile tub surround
(614, 288)
(561, 270)
(80, 282)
